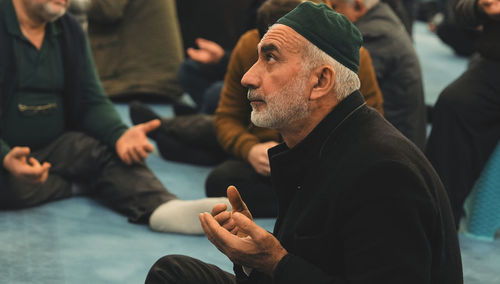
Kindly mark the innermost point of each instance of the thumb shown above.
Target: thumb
(247, 226)
(19, 152)
(235, 199)
(151, 125)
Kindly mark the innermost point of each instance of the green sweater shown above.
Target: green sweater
(34, 115)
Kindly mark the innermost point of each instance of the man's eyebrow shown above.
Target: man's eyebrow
(265, 48)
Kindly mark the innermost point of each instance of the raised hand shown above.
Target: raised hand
(259, 250)
(258, 158)
(224, 218)
(26, 168)
(133, 146)
(208, 52)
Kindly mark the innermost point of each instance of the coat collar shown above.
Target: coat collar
(313, 146)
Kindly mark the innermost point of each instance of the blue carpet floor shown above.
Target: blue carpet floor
(79, 241)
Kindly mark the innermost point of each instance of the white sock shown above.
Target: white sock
(181, 216)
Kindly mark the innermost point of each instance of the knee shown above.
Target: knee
(211, 97)
(187, 70)
(168, 269)
(454, 98)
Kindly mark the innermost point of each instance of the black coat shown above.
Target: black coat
(398, 71)
(359, 203)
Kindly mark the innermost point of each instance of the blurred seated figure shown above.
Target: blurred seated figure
(240, 140)
(209, 45)
(447, 26)
(202, 76)
(137, 48)
(396, 64)
(466, 117)
(61, 136)
(79, 9)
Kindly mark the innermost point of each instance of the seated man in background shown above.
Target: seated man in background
(202, 76)
(396, 64)
(244, 143)
(466, 117)
(210, 29)
(60, 134)
(137, 48)
(359, 203)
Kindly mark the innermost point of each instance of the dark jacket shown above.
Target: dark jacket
(73, 51)
(86, 111)
(359, 203)
(397, 69)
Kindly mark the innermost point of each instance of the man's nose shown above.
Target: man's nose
(251, 79)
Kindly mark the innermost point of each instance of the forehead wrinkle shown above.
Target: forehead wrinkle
(284, 38)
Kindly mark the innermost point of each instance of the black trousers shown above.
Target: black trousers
(173, 269)
(465, 130)
(255, 189)
(77, 158)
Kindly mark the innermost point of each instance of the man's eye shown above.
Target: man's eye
(269, 57)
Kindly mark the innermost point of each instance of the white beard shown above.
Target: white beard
(282, 107)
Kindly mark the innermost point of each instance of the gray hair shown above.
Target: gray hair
(368, 3)
(346, 81)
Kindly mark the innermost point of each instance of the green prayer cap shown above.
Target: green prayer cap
(328, 30)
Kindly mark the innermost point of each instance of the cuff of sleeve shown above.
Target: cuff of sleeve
(294, 270)
(4, 149)
(116, 135)
(281, 267)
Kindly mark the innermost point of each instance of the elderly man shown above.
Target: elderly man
(59, 131)
(358, 202)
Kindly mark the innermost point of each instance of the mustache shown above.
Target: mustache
(253, 95)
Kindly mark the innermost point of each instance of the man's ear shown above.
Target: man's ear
(323, 81)
(359, 8)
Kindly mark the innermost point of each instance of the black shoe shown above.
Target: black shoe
(140, 113)
(184, 109)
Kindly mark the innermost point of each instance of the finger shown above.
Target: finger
(235, 230)
(201, 42)
(198, 55)
(148, 148)
(230, 225)
(218, 234)
(124, 157)
(33, 171)
(141, 153)
(208, 45)
(19, 152)
(248, 226)
(44, 176)
(210, 230)
(267, 170)
(134, 158)
(218, 208)
(34, 163)
(264, 161)
(150, 125)
(224, 219)
(235, 199)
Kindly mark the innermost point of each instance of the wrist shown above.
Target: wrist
(277, 258)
